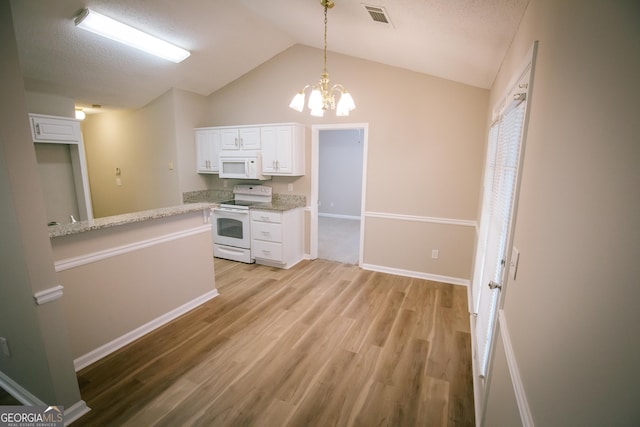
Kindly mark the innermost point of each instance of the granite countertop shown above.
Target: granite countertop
(277, 205)
(279, 202)
(129, 218)
(193, 201)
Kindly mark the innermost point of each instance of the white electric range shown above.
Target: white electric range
(231, 224)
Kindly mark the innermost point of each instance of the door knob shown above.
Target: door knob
(494, 285)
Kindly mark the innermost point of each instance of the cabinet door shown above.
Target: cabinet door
(284, 143)
(249, 138)
(268, 135)
(282, 150)
(214, 150)
(229, 139)
(207, 146)
(54, 129)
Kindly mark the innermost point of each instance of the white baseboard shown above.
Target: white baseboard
(20, 393)
(518, 387)
(417, 274)
(26, 398)
(108, 348)
(75, 411)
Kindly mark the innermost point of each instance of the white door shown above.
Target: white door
(496, 223)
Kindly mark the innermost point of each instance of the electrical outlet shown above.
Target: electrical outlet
(4, 347)
(435, 254)
(290, 187)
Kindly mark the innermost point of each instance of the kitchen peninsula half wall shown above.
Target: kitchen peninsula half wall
(124, 276)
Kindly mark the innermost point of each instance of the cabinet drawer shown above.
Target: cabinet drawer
(266, 216)
(268, 231)
(267, 250)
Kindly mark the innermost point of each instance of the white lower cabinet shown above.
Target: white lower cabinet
(276, 237)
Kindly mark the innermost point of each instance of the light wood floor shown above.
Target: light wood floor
(321, 344)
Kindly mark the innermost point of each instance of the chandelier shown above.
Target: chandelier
(323, 94)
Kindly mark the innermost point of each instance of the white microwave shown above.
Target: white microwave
(241, 166)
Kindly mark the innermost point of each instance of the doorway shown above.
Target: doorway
(338, 191)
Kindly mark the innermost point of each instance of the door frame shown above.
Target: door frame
(315, 169)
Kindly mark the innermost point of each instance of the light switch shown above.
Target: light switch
(290, 187)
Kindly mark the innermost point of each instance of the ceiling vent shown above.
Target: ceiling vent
(378, 14)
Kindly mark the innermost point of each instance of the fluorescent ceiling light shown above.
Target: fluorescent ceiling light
(114, 30)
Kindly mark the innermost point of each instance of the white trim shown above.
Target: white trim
(48, 295)
(518, 387)
(415, 218)
(68, 263)
(108, 348)
(416, 274)
(24, 396)
(20, 393)
(75, 411)
(340, 216)
(478, 381)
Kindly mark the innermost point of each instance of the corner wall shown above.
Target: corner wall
(40, 363)
(572, 311)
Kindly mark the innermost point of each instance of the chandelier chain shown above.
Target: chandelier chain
(325, 37)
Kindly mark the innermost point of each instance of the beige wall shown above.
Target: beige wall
(52, 105)
(425, 153)
(142, 144)
(109, 297)
(572, 312)
(56, 178)
(190, 111)
(40, 360)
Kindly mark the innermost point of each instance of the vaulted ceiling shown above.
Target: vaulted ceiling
(460, 40)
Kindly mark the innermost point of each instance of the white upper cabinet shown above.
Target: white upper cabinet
(242, 138)
(55, 129)
(282, 146)
(207, 150)
(283, 150)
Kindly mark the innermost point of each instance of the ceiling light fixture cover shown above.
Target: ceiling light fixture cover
(110, 28)
(322, 96)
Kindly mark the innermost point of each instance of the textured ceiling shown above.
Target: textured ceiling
(460, 40)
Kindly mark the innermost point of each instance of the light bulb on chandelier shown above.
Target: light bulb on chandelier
(322, 95)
